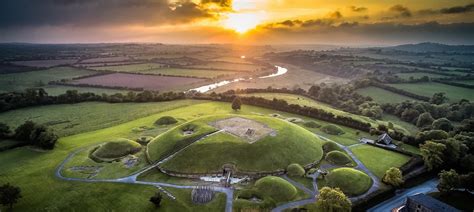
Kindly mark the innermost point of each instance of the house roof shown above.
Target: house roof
(431, 203)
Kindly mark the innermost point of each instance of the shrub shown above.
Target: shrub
(312, 124)
(333, 200)
(393, 176)
(166, 120)
(116, 149)
(276, 188)
(295, 169)
(442, 124)
(332, 129)
(338, 158)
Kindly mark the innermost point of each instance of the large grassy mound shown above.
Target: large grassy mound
(351, 181)
(338, 158)
(288, 144)
(116, 149)
(276, 188)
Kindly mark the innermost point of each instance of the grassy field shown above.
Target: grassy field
(21, 81)
(84, 117)
(304, 101)
(291, 144)
(418, 75)
(26, 167)
(153, 68)
(428, 89)
(378, 160)
(383, 96)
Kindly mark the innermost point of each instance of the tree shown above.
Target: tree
(448, 180)
(438, 98)
(425, 119)
(333, 199)
(4, 130)
(442, 124)
(393, 176)
(9, 195)
(156, 199)
(22, 133)
(432, 153)
(236, 103)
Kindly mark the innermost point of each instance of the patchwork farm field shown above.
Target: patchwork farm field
(21, 81)
(158, 69)
(428, 89)
(44, 63)
(161, 83)
(418, 75)
(54, 90)
(383, 96)
(228, 66)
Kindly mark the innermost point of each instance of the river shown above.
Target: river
(206, 88)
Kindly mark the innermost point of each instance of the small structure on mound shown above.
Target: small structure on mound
(248, 129)
(202, 194)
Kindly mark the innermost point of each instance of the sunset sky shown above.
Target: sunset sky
(368, 22)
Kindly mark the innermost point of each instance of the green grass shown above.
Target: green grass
(418, 75)
(378, 160)
(116, 149)
(68, 119)
(351, 181)
(292, 144)
(152, 68)
(277, 188)
(22, 81)
(428, 89)
(383, 96)
(304, 101)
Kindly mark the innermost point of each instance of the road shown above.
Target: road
(399, 199)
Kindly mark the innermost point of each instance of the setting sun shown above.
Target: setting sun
(243, 22)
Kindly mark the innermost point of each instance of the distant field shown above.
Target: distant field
(378, 160)
(76, 118)
(428, 89)
(418, 75)
(106, 59)
(44, 63)
(154, 68)
(304, 101)
(21, 81)
(467, 82)
(161, 83)
(232, 60)
(54, 90)
(383, 96)
(229, 66)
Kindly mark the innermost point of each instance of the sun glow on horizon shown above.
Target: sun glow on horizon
(243, 22)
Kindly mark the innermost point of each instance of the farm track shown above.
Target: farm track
(229, 192)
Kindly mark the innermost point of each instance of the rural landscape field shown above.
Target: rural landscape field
(204, 105)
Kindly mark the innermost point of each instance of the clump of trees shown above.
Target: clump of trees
(333, 199)
(451, 180)
(9, 195)
(236, 103)
(393, 176)
(30, 133)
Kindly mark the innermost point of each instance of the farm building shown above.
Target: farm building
(384, 139)
(425, 203)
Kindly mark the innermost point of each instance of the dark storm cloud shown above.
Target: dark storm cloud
(24, 13)
(401, 10)
(450, 10)
(358, 9)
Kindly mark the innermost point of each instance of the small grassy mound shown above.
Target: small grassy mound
(144, 139)
(166, 120)
(295, 169)
(331, 146)
(338, 158)
(312, 124)
(115, 149)
(276, 188)
(351, 181)
(332, 129)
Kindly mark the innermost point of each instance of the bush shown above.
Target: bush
(331, 146)
(295, 170)
(116, 149)
(312, 124)
(393, 176)
(338, 158)
(276, 188)
(332, 129)
(166, 120)
(442, 124)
